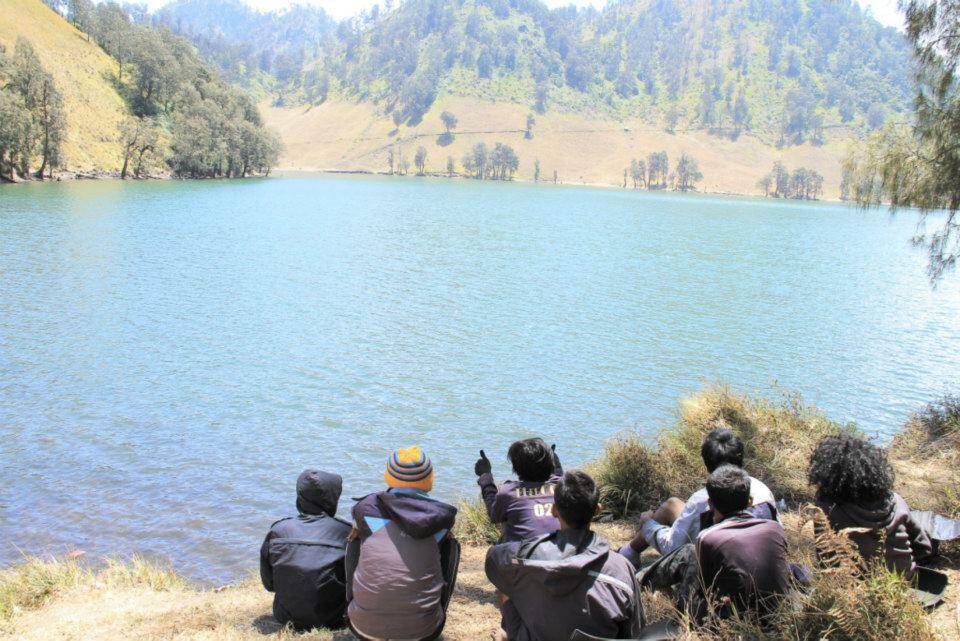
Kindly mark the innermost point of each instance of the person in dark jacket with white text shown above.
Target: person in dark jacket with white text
(555, 584)
(302, 557)
(523, 508)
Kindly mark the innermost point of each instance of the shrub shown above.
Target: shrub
(473, 526)
(778, 435)
(33, 582)
(926, 457)
(629, 476)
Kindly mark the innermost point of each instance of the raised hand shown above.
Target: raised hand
(557, 468)
(482, 466)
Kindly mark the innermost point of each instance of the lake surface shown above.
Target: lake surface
(173, 354)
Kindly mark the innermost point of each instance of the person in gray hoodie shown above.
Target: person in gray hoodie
(402, 561)
(302, 557)
(854, 482)
(555, 584)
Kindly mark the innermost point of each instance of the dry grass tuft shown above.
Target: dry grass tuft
(473, 526)
(779, 435)
(926, 456)
(33, 583)
(630, 476)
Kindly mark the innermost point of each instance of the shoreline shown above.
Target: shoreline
(306, 171)
(112, 175)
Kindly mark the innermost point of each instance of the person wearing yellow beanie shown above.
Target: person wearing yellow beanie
(402, 560)
(409, 467)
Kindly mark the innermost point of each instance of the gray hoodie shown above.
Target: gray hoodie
(891, 527)
(565, 581)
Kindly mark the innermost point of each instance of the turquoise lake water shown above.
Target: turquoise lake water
(173, 354)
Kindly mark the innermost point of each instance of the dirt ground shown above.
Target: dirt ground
(242, 612)
(349, 136)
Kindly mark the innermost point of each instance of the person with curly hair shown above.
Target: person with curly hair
(854, 482)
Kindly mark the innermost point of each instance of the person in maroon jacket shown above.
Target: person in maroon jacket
(742, 559)
(522, 508)
(738, 565)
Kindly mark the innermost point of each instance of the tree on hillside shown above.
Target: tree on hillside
(475, 161)
(540, 95)
(115, 33)
(765, 183)
(451, 167)
(503, 162)
(52, 125)
(140, 138)
(536, 170)
(37, 118)
(81, 13)
(638, 172)
(658, 170)
(391, 159)
(15, 133)
(449, 121)
(420, 159)
(687, 173)
(531, 121)
(316, 85)
(920, 166)
(781, 180)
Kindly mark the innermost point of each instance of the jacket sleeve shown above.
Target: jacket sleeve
(920, 543)
(499, 566)
(492, 498)
(266, 569)
(630, 627)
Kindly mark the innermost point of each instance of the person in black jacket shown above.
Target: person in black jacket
(302, 557)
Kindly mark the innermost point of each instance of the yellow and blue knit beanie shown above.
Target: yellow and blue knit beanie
(409, 467)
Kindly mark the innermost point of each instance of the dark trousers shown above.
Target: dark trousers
(678, 574)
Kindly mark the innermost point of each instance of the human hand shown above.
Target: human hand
(482, 466)
(557, 468)
(646, 516)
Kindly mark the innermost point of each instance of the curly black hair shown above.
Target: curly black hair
(849, 469)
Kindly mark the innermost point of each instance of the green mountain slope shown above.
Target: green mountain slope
(83, 72)
(786, 70)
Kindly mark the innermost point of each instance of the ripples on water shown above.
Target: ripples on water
(173, 354)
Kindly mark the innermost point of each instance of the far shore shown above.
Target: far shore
(280, 171)
(100, 174)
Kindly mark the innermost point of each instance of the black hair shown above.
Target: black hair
(532, 460)
(850, 469)
(576, 498)
(729, 489)
(721, 447)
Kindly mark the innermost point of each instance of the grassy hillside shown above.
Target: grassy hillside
(347, 135)
(83, 73)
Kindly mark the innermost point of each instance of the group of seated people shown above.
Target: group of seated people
(391, 572)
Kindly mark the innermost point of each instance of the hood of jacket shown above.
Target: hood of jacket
(318, 492)
(872, 516)
(416, 516)
(562, 559)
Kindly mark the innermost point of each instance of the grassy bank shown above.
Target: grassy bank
(70, 599)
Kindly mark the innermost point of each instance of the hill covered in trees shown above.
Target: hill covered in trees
(157, 106)
(92, 107)
(786, 70)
